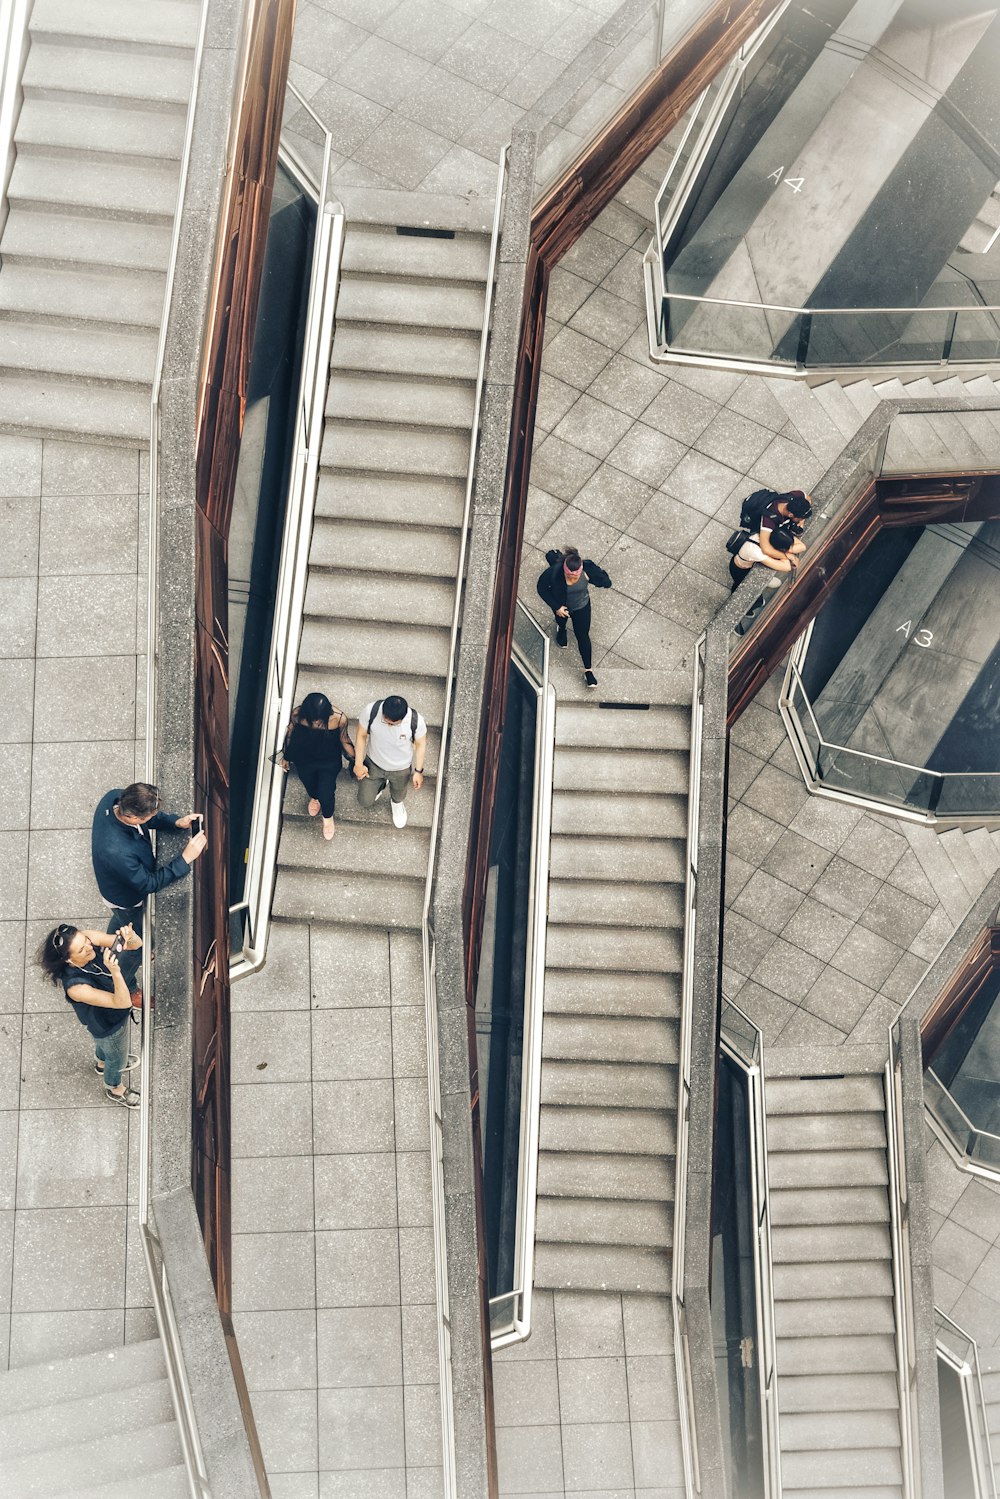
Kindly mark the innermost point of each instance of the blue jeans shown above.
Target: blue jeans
(113, 1052)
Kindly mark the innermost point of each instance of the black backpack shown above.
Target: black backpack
(377, 708)
(753, 507)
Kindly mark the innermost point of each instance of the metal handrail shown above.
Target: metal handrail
(14, 42)
(689, 1443)
(966, 1365)
(163, 1308)
(902, 1300)
(827, 311)
(534, 1007)
(426, 924)
(324, 285)
(752, 1063)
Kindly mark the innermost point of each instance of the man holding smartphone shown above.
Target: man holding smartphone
(122, 851)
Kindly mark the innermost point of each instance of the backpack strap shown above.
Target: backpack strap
(413, 725)
(373, 714)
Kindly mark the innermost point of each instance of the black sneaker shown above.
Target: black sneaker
(561, 638)
(129, 1099)
(590, 679)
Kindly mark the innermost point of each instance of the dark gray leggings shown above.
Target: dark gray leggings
(580, 619)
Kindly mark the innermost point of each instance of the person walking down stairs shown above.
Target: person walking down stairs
(565, 587)
(317, 743)
(390, 746)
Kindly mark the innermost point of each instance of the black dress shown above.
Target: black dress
(317, 755)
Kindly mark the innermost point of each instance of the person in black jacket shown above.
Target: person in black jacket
(565, 587)
(122, 850)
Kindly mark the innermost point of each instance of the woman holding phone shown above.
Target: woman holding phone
(316, 743)
(86, 964)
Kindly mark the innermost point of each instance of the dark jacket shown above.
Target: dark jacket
(552, 584)
(124, 861)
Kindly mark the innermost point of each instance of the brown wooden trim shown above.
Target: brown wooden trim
(221, 408)
(957, 995)
(919, 501)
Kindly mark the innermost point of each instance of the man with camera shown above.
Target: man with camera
(122, 851)
(785, 515)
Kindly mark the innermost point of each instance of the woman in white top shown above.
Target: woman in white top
(750, 554)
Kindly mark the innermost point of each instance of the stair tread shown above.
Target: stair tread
(358, 447)
(841, 1470)
(817, 1431)
(826, 1168)
(401, 303)
(605, 993)
(844, 1278)
(341, 645)
(608, 1131)
(634, 860)
(122, 355)
(838, 1392)
(407, 351)
(71, 126)
(835, 1095)
(831, 1317)
(384, 850)
(594, 1038)
(586, 1267)
(591, 1220)
(46, 405)
(873, 1353)
(350, 596)
(73, 241)
(635, 1085)
(406, 402)
(406, 499)
(661, 726)
(625, 950)
(108, 1369)
(588, 769)
(376, 249)
(418, 552)
(127, 74)
(114, 189)
(352, 899)
(351, 690)
(580, 1174)
(640, 906)
(637, 813)
(821, 1132)
(125, 300)
(140, 1451)
(827, 1242)
(154, 22)
(802, 1205)
(67, 1423)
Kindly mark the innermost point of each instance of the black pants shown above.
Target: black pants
(580, 619)
(321, 783)
(738, 574)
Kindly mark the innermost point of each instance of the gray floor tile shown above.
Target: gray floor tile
(84, 616)
(353, 1117)
(287, 1424)
(561, 470)
(62, 713)
(366, 1483)
(555, 398)
(420, 1344)
(734, 440)
(489, 131)
(628, 386)
(656, 1450)
(597, 1455)
(18, 617)
(18, 538)
(349, 116)
(787, 970)
(422, 1425)
(688, 597)
(652, 1386)
(701, 482)
(526, 1393)
(542, 513)
(866, 956)
(17, 690)
(350, 968)
(361, 1346)
(283, 982)
(593, 256)
(272, 1119)
(361, 1428)
(412, 1113)
(70, 1259)
(609, 319)
(592, 1389)
(272, 1194)
(266, 1049)
(845, 888)
(593, 537)
(37, 1336)
(838, 999)
(13, 874)
(20, 465)
(529, 1460)
(413, 1188)
(351, 1043)
(69, 524)
(60, 874)
(401, 150)
(278, 1349)
(90, 768)
(409, 1042)
(416, 1266)
(577, 360)
(357, 1267)
(589, 1324)
(10, 1061)
(72, 1157)
(462, 173)
(15, 787)
(592, 426)
(614, 497)
(647, 455)
(636, 570)
(484, 55)
(274, 1272)
(84, 468)
(668, 525)
(6, 1267)
(355, 1191)
(13, 939)
(655, 642)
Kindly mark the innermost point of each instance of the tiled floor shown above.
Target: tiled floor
(71, 617)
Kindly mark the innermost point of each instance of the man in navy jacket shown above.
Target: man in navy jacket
(122, 850)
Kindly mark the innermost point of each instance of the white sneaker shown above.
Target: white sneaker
(398, 813)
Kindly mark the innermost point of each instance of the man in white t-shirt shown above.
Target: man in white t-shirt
(750, 555)
(391, 743)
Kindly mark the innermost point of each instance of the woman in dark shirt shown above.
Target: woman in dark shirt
(82, 961)
(565, 587)
(316, 742)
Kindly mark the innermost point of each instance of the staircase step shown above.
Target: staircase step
(964, 861)
(655, 728)
(827, 1168)
(982, 847)
(838, 1392)
(872, 1354)
(620, 949)
(154, 22)
(588, 1220)
(129, 300)
(400, 303)
(628, 770)
(352, 690)
(833, 1318)
(602, 993)
(840, 1430)
(799, 1206)
(608, 1131)
(113, 356)
(630, 814)
(589, 1038)
(46, 406)
(168, 1483)
(808, 1132)
(45, 1429)
(359, 447)
(110, 189)
(71, 242)
(630, 860)
(40, 1475)
(404, 402)
(400, 499)
(155, 135)
(34, 1386)
(823, 1095)
(827, 1242)
(628, 1178)
(419, 807)
(352, 899)
(609, 1084)
(385, 850)
(572, 902)
(602, 1267)
(381, 647)
(861, 394)
(378, 250)
(332, 597)
(832, 1279)
(841, 412)
(840, 1471)
(417, 550)
(407, 351)
(127, 75)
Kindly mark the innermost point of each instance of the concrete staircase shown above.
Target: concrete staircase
(91, 204)
(958, 864)
(384, 553)
(991, 1396)
(98, 1426)
(612, 986)
(833, 1286)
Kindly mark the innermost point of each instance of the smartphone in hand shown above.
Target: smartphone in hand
(118, 945)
